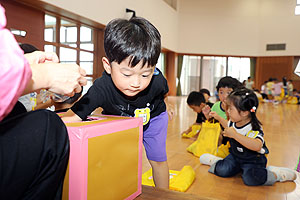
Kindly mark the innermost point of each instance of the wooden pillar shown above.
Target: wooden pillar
(171, 71)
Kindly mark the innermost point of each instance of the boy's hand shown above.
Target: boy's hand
(214, 115)
(171, 113)
(187, 131)
(170, 110)
(229, 132)
(206, 110)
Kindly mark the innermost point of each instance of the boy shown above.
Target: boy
(128, 87)
(218, 111)
(196, 101)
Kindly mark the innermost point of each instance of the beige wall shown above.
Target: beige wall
(157, 12)
(225, 27)
(238, 27)
(279, 25)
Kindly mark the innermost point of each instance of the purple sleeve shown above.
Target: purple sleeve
(15, 71)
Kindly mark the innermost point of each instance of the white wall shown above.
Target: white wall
(158, 12)
(224, 27)
(278, 24)
(227, 27)
(238, 27)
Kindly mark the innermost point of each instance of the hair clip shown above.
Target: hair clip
(253, 109)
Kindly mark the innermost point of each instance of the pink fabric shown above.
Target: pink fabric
(14, 69)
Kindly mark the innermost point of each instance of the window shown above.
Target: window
(190, 74)
(213, 69)
(161, 63)
(239, 68)
(206, 71)
(73, 42)
(297, 8)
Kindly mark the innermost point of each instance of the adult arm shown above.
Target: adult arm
(14, 69)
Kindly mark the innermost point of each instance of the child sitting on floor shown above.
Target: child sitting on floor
(247, 145)
(196, 101)
(218, 111)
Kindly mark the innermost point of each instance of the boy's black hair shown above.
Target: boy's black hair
(28, 48)
(229, 82)
(136, 38)
(205, 91)
(195, 99)
(246, 100)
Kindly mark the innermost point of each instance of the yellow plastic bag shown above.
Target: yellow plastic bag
(179, 180)
(223, 150)
(207, 141)
(195, 130)
(292, 100)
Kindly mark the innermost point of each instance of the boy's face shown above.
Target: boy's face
(223, 93)
(129, 80)
(197, 109)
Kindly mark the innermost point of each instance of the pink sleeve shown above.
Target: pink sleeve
(14, 69)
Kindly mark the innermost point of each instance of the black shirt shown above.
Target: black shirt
(200, 116)
(103, 93)
(239, 150)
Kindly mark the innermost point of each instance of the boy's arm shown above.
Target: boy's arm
(254, 144)
(190, 128)
(222, 121)
(70, 116)
(169, 108)
(206, 111)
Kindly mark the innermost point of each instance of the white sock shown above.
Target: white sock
(283, 174)
(209, 159)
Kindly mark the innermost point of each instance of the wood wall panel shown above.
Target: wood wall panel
(25, 18)
(275, 67)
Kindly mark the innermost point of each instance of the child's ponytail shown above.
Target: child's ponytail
(256, 124)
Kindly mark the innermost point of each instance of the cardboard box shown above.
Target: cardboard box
(105, 159)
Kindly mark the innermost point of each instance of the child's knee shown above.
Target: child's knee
(156, 164)
(254, 177)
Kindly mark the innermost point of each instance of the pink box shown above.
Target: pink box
(105, 159)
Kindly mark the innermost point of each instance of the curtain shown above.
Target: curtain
(179, 68)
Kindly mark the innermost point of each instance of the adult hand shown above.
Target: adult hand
(41, 57)
(47, 73)
(65, 79)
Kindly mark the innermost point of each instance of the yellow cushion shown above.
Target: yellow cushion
(195, 130)
(179, 180)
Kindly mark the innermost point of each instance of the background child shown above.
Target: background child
(128, 87)
(206, 95)
(290, 87)
(249, 83)
(196, 101)
(247, 145)
(225, 86)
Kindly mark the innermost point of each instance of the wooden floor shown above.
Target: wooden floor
(281, 125)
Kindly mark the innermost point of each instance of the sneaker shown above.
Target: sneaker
(209, 159)
(283, 174)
